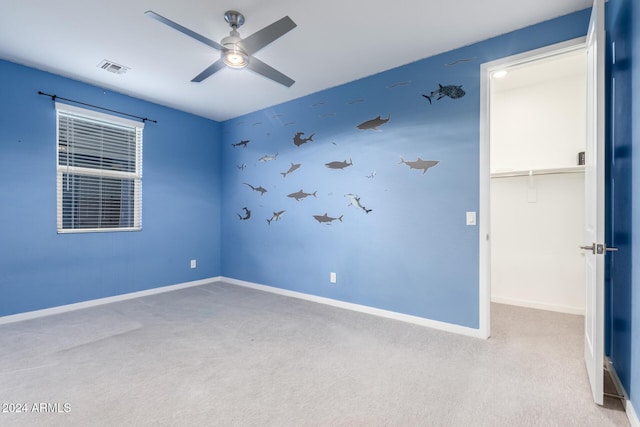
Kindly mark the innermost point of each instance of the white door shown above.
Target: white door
(595, 249)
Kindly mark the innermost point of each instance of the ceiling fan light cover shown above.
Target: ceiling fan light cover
(235, 58)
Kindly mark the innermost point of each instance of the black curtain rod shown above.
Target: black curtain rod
(54, 97)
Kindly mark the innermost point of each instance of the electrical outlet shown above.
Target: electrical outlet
(332, 277)
(193, 263)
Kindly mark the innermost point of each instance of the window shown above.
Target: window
(99, 171)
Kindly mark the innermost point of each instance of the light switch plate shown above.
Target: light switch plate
(471, 218)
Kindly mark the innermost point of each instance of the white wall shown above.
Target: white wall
(536, 261)
(538, 116)
(538, 122)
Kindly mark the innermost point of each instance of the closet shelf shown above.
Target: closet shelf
(533, 172)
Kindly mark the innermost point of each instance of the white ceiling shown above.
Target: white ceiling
(567, 65)
(336, 41)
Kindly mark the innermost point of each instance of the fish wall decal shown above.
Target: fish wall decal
(459, 61)
(242, 143)
(301, 195)
(452, 91)
(298, 140)
(338, 165)
(373, 124)
(294, 167)
(372, 175)
(399, 84)
(259, 189)
(420, 164)
(276, 216)
(267, 158)
(247, 215)
(326, 219)
(355, 201)
(242, 166)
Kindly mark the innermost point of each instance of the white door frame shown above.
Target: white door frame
(486, 69)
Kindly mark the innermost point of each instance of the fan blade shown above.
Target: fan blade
(202, 39)
(216, 66)
(271, 73)
(263, 37)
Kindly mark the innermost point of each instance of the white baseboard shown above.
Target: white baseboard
(538, 305)
(632, 415)
(434, 324)
(101, 301)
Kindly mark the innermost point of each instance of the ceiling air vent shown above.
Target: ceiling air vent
(112, 67)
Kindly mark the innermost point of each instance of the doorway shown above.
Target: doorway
(538, 133)
(531, 166)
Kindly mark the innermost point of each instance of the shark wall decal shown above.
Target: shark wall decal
(453, 92)
(301, 195)
(298, 140)
(276, 216)
(420, 164)
(259, 189)
(242, 143)
(373, 124)
(326, 219)
(355, 201)
(339, 165)
(294, 167)
(267, 158)
(247, 214)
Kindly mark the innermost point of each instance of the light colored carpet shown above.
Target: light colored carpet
(221, 355)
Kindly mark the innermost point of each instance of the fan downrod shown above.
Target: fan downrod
(234, 18)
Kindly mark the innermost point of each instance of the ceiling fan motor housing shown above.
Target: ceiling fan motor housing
(233, 55)
(234, 18)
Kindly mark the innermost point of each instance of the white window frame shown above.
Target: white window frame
(90, 115)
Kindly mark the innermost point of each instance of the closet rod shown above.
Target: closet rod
(533, 172)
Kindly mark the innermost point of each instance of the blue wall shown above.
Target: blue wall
(413, 252)
(181, 201)
(633, 387)
(620, 189)
(624, 211)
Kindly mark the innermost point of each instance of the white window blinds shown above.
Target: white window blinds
(99, 171)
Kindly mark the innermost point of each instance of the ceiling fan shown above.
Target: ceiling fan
(236, 52)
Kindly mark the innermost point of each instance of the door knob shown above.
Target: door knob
(599, 248)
